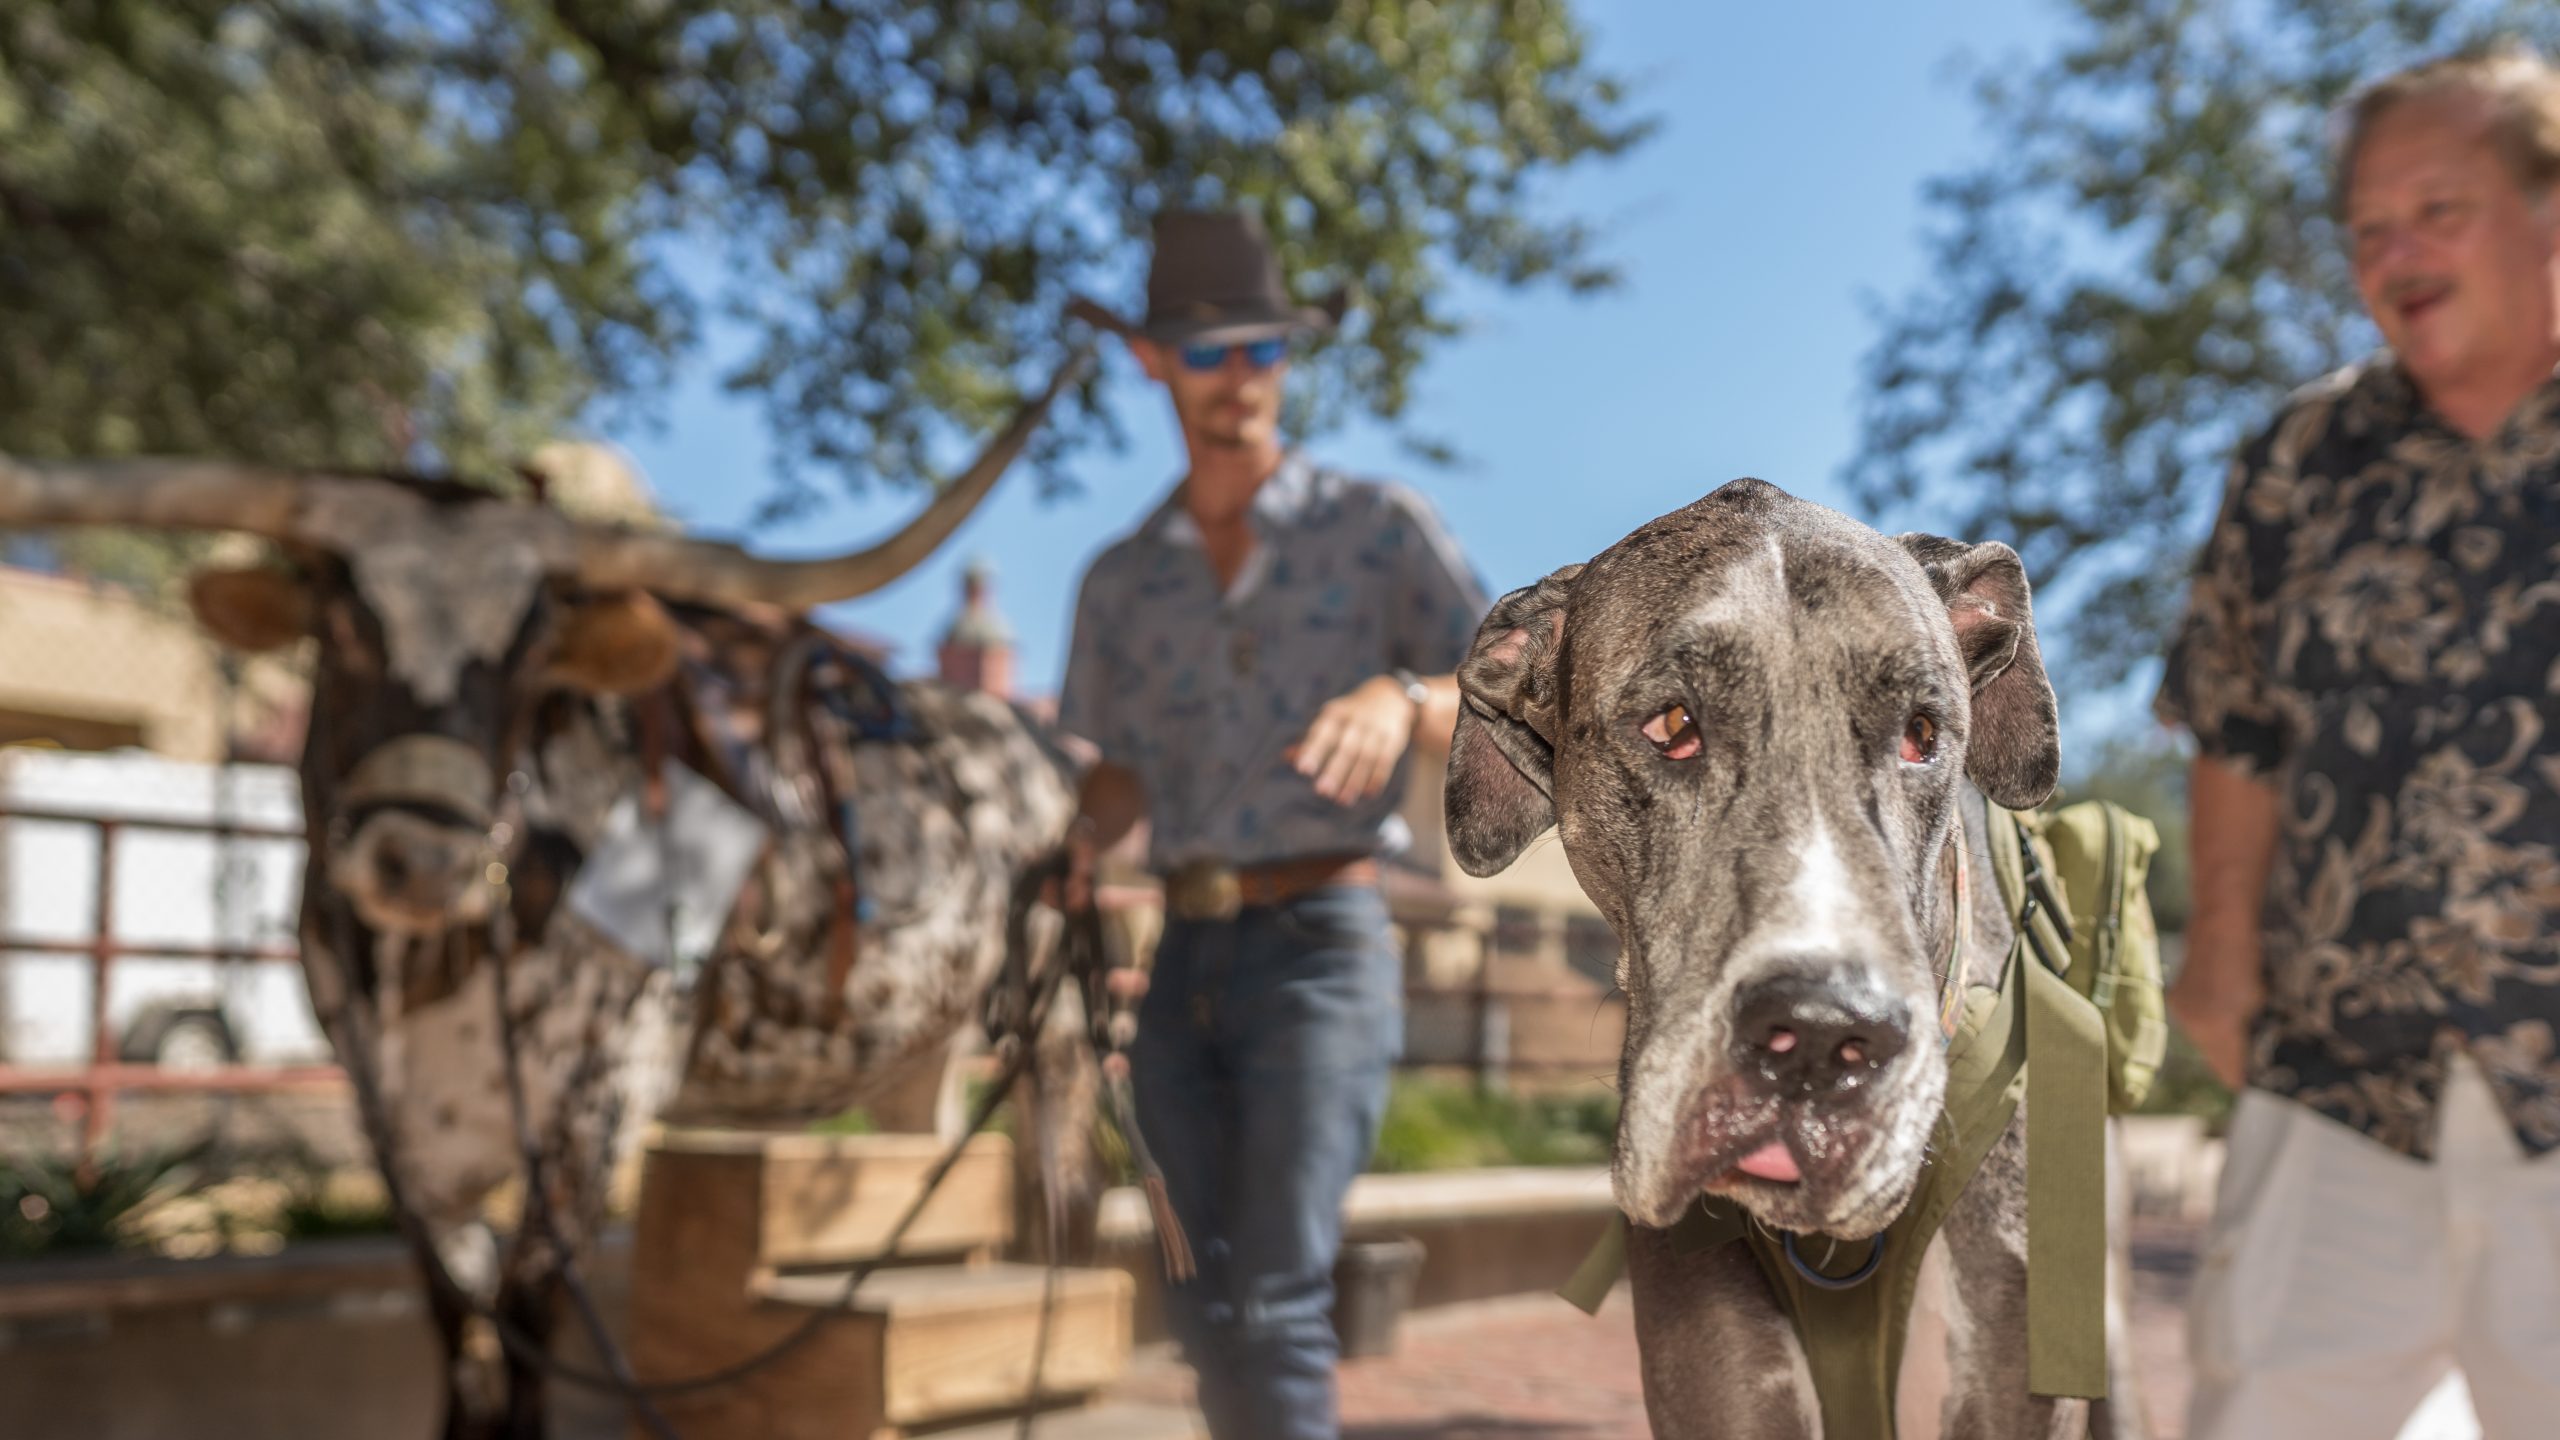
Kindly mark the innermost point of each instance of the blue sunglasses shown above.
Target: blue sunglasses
(1260, 354)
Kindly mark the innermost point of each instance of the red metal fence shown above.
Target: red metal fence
(1486, 1027)
(93, 1087)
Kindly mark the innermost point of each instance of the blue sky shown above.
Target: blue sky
(1782, 192)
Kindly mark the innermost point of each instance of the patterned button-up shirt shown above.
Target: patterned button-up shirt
(1200, 691)
(2375, 631)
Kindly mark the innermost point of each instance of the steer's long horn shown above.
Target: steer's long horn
(708, 570)
(150, 494)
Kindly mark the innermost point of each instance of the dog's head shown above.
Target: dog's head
(1748, 721)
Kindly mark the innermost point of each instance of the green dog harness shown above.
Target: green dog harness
(1850, 1301)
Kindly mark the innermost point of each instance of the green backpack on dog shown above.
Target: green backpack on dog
(2101, 853)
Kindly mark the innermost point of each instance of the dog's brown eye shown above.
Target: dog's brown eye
(1919, 740)
(1674, 732)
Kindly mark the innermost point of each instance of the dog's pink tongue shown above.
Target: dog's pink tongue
(1770, 1162)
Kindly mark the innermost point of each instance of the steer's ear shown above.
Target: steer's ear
(251, 610)
(623, 643)
(1502, 758)
(2015, 752)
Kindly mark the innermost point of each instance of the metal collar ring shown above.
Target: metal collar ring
(1820, 1281)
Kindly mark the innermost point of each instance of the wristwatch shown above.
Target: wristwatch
(1414, 689)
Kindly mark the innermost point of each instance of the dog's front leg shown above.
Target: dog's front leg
(1721, 1360)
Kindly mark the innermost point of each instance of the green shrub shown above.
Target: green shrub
(53, 1204)
(316, 1208)
(856, 1121)
(1452, 1125)
(2185, 1086)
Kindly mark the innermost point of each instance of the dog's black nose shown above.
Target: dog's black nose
(1811, 1033)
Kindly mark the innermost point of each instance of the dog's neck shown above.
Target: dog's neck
(1952, 968)
(1988, 928)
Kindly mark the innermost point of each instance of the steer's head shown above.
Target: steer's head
(1748, 722)
(445, 622)
(445, 619)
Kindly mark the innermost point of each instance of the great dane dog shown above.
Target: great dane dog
(1752, 723)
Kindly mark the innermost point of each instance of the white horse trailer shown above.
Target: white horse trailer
(177, 883)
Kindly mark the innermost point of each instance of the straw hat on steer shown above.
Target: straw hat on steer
(1214, 281)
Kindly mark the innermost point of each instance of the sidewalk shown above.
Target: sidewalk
(1532, 1368)
(1528, 1368)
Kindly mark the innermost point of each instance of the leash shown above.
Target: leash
(639, 1392)
(1112, 1023)
(1081, 956)
(618, 1379)
(1115, 1026)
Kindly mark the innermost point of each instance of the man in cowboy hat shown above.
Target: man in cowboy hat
(1252, 662)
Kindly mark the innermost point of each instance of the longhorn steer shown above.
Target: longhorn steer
(490, 679)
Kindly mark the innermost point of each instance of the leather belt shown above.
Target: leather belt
(1209, 890)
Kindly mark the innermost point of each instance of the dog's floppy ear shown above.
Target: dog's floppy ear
(2015, 754)
(1502, 758)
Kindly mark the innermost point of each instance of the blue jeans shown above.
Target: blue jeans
(1261, 1073)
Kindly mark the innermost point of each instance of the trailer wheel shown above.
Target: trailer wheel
(186, 1040)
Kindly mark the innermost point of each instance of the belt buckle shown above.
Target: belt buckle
(1203, 890)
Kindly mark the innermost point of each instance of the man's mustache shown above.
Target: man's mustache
(2412, 287)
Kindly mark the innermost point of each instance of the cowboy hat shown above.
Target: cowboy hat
(1214, 280)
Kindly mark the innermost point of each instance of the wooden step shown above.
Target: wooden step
(1102, 1422)
(735, 1205)
(916, 1346)
(959, 1341)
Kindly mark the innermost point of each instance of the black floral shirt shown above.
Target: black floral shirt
(2375, 630)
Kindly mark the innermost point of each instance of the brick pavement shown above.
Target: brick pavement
(1530, 1368)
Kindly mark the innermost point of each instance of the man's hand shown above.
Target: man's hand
(2222, 985)
(1352, 748)
(1109, 802)
(2218, 993)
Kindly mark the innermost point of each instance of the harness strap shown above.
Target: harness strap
(2066, 1141)
(844, 944)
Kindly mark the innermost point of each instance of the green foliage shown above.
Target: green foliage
(51, 1204)
(188, 1201)
(1117, 1162)
(2143, 268)
(2148, 776)
(1445, 1125)
(856, 1121)
(313, 1208)
(369, 232)
(2184, 1086)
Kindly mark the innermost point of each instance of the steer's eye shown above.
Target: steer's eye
(1919, 741)
(1674, 732)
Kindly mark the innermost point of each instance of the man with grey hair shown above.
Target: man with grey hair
(2371, 669)
(1253, 662)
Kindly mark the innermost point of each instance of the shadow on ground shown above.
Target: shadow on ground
(1473, 1428)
